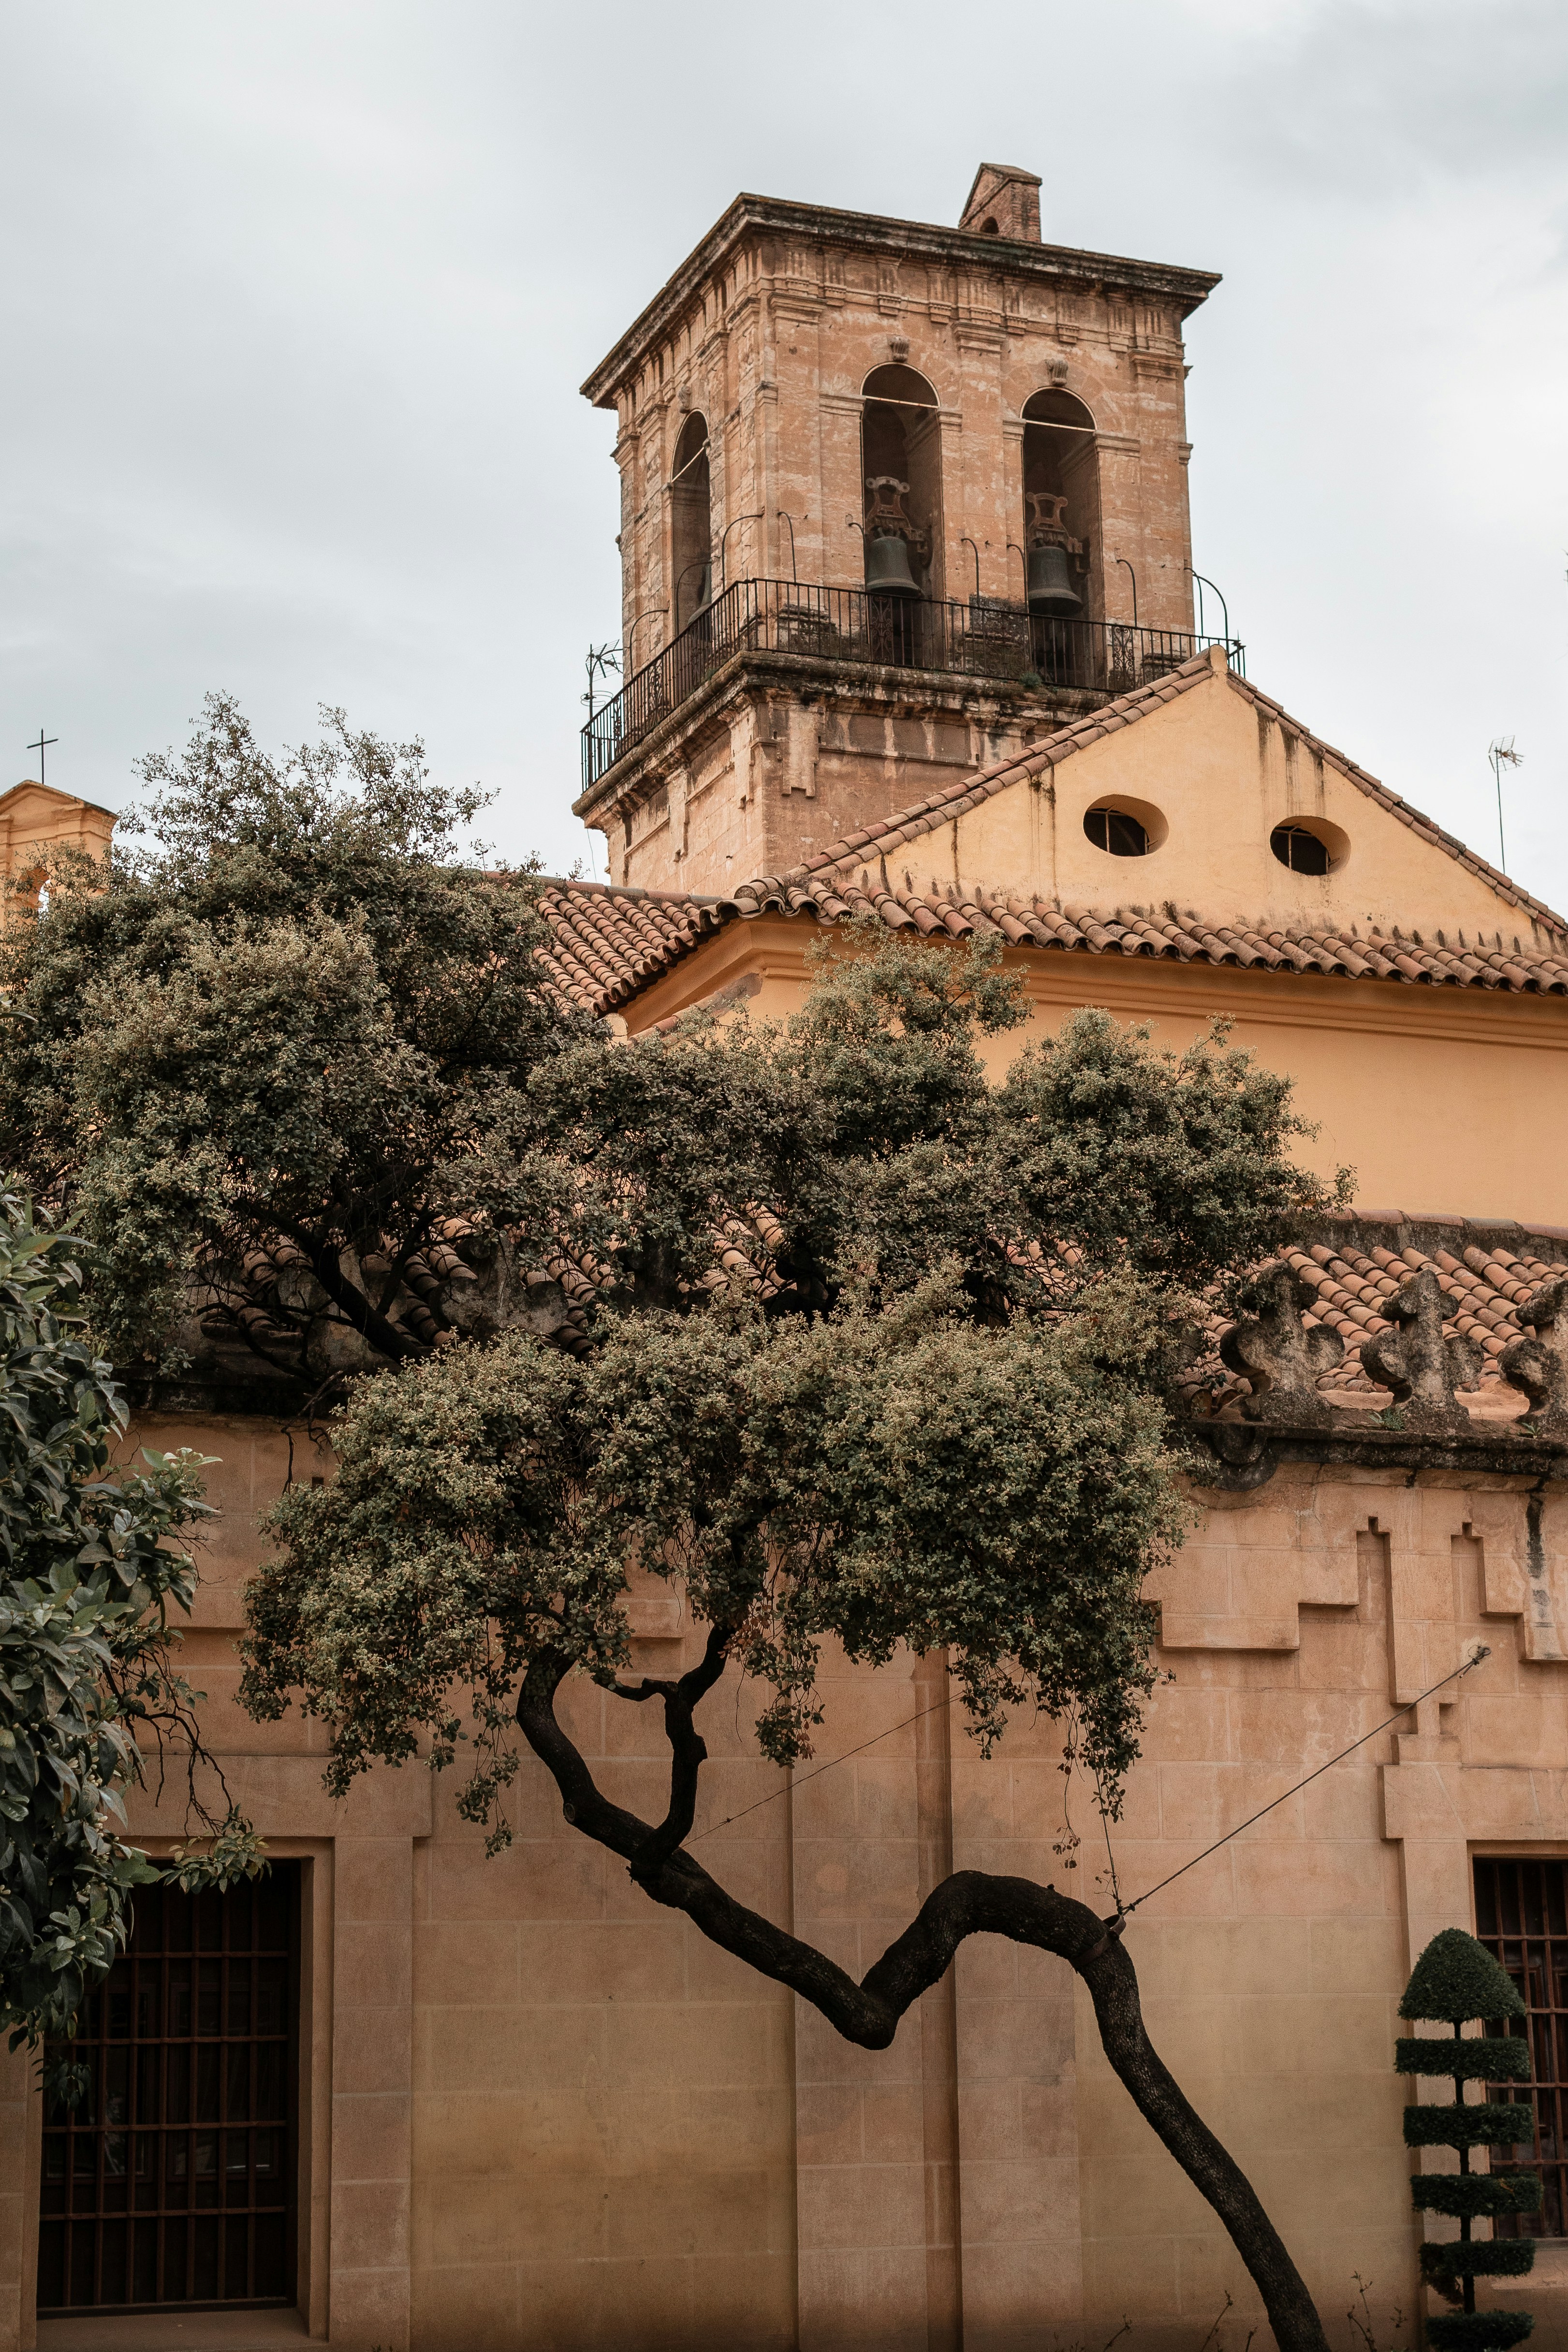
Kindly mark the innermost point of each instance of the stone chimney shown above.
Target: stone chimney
(1004, 202)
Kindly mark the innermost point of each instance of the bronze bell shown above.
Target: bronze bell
(1050, 588)
(887, 571)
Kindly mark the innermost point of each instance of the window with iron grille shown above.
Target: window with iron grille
(171, 2180)
(1522, 1917)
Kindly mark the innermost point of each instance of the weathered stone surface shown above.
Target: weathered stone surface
(1419, 1362)
(1539, 1363)
(769, 333)
(1281, 1357)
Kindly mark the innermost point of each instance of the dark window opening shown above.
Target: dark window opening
(691, 524)
(989, 228)
(1302, 851)
(900, 465)
(1061, 502)
(172, 2182)
(1114, 830)
(1522, 1917)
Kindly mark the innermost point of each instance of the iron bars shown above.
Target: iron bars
(986, 638)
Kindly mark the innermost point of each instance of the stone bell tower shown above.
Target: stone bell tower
(895, 501)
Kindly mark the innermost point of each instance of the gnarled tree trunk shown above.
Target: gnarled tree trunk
(969, 1902)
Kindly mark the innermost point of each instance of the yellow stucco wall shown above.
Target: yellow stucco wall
(1220, 773)
(1442, 1100)
(35, 818)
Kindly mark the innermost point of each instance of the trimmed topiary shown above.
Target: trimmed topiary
(1458, 1980)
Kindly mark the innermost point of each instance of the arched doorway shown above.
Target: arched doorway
(691, 528)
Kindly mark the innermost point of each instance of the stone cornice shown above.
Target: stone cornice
(1235, 1456)
(752, 215)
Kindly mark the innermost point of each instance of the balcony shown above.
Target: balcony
(982, 640)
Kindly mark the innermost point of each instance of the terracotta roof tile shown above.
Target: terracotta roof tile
(609, 944)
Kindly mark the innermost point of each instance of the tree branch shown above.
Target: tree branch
(688, 1751)
(356, 1308)
(968, 1902)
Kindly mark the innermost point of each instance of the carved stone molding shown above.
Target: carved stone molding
(1281, 1356)
(1416, 1360)
(1538, 1364)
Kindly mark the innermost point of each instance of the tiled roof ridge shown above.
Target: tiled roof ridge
(941, 807)
(608, 943)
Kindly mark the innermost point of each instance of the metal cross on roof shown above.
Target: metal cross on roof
(40, 747)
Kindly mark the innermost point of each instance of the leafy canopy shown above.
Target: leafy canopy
(920, 1399)
(1457, 1980)
(864, 1345)
(277, 1052)
(88, 1570)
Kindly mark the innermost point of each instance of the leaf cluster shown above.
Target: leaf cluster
(930, 1412)
(277, 1050)
(870, 1127)
(89, 1567)
(876, 1477)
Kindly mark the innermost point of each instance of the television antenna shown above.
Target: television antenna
(599, 662)
(1500, 754)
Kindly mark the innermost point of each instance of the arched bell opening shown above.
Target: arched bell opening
(691, 524)
(1061, 523)
(901, 472)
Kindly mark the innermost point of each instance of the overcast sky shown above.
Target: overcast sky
(298, 299)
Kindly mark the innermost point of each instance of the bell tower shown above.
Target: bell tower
(896, 501)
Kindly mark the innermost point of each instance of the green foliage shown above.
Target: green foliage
(1496, 2058)
(283, 1049)
(1479, 2331)
(1475, 2196)
(868, 1127)
(232, 1853)
(89, 1570)
(944, 1422)
(1457, 1980)
(1176, 1165)
(296, 1063)
(1443, 2266)
(901, 1475)
(1460, 2126)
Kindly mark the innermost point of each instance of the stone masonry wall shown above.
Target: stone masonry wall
(540, 2112)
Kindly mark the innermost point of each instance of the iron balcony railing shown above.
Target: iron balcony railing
(984, 639)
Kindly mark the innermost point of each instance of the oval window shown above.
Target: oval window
(1114, 830)
(1302, 851)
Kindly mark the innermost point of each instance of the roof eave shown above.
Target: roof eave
(754, 213)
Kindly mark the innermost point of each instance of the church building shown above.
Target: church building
(911, 635)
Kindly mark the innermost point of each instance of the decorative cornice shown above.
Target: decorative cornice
(753, 215)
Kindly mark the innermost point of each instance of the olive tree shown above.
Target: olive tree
(880, 1354)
